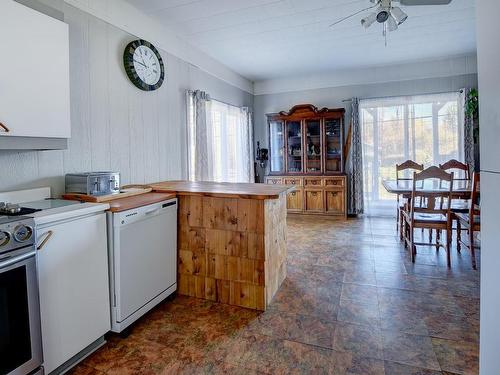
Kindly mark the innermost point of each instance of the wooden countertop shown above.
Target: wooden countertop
(128, 203)
(222, 189)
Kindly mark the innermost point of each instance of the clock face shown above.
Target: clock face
(144, 65)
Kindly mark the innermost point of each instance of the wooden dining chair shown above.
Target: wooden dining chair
(470, 221)
(429, 210)
(408, 165)
(457, 166)
(461, 173)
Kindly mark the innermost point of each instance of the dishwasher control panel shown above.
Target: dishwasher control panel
(142, 213)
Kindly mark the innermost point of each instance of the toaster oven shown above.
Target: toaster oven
(93, 183)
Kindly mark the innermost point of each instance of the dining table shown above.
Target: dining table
(461, 188)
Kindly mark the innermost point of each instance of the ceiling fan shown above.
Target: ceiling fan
(387, 14)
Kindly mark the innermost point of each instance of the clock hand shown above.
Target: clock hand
(138, 62)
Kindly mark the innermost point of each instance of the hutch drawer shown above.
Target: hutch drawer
(274, 180)
(313, 181)
(334, 181)
(293, 181)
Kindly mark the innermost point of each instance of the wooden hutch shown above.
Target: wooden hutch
(306, 149)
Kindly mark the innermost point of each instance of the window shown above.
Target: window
(220, 142)
(425, 128)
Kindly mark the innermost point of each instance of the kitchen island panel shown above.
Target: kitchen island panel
(232, 250)
(275, 245)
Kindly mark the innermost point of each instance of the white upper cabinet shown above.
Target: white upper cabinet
(34, 74)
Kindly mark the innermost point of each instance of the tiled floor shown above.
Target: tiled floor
(353, 303)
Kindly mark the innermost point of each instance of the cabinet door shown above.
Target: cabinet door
(74, 288)
(313, 154)
(277, 146)
(333, 145)
(314, 200)
(335, 203)
(34, 74)
(294, 146)
(294, 201)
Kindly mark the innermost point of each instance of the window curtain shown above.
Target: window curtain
(468, 125)
(355, 163)
(425, 128)
(220, 140)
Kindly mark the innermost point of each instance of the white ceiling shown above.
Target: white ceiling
(266, 39)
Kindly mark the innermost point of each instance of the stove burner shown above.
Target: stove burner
(10, 209)
(24, 211)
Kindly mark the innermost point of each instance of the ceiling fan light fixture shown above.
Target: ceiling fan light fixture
(383, 15)
(369, 20)
(399, 15)
(392, 24)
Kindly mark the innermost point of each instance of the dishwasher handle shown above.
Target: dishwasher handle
(152, 211)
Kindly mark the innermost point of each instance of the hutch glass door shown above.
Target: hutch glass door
(277, 139)
(333, 145)
(313, 146)
(294, 143)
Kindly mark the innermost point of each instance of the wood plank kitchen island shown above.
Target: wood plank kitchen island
(232, 240)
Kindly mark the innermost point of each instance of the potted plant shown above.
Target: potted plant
(472, 111)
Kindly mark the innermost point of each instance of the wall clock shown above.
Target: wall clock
(144, 65)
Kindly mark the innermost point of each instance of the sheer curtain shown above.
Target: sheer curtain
(425, 128)
(220, 140)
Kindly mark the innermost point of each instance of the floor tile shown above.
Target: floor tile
(393, 368)
(361, 340)
(409, 349)
(457, 356)
(358, 312)
(361, 293)
(294, 327)
(402, 320)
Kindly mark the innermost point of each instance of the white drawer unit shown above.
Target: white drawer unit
(34, 74)
(143, 260)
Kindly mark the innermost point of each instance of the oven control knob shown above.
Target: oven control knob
(23, 233)
(4, 238)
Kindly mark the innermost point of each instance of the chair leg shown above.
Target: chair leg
(401, 227)
(430, 235)
(412, 245)
(459, 236)
(448, 247)
(472, 250)
(438, 239)
(397, 215)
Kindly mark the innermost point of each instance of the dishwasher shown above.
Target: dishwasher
(142, 260)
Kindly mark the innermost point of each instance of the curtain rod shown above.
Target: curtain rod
(220, 101)
(395, 96)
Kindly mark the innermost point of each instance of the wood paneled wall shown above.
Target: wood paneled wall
(114, 125)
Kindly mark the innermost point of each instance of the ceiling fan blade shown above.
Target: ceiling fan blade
(424, 2)
(352, 15)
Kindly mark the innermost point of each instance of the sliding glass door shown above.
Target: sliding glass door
(425, 128)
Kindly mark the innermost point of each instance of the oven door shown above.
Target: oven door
(20, 338)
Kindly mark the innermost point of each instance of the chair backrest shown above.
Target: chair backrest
(475, 198)
(432, 201)
(407, 165)
(457, 166)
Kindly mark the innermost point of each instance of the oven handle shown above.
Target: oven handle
(20, 258)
